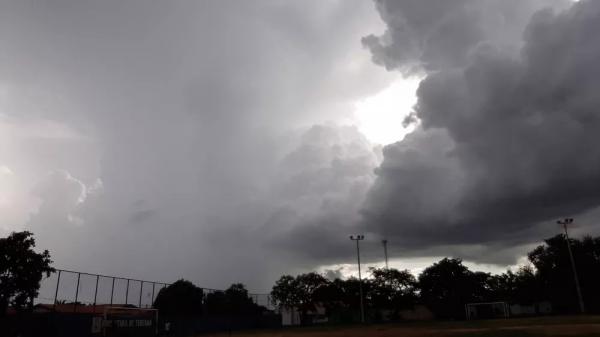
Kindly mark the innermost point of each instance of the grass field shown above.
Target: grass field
(527, 327)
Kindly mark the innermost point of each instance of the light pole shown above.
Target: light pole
(385, 253)
(359, 238)
(564, 223)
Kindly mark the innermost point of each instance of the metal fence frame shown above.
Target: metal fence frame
(161, 285)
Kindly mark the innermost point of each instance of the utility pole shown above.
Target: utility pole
(359, 238)
(385, 253)
(564, 223)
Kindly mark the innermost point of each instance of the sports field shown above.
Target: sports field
(545, 326)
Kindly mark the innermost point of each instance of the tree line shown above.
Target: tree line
(447, 285)
(183, 298)
(444, 287)
(22, 270)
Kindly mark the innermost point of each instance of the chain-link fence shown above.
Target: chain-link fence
(79, 290)
(76, 304)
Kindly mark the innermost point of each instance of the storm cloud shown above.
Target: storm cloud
(506, 141)
(437, 34)
(163, 140)
(216, 140)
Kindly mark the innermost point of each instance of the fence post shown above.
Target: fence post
(127, 293)
(96, 293)
(76, 293)
(141, 288)
(56, 292)
(152, 299)
(112, 291)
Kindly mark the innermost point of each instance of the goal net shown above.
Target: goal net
(126, 321)
(487, 310)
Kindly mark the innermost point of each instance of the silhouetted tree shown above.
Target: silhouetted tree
(448, 285)
(234, 301)
(331, 296)
(180, 298)
(527, 287)
(285, 292)
(215, 304)
(21, 270)
(298, 292)
(351, 291)
(307, 286)
(481, 287)
(555, 276)
(239, 302)
(392, 289)
(501, 287)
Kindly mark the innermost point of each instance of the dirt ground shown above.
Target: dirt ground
(546, 326)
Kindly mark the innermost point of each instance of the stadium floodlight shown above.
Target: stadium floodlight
(359, 238)
(565, 223)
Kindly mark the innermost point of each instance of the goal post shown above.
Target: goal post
(486, 310)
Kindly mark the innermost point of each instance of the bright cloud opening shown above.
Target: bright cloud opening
(380, 116)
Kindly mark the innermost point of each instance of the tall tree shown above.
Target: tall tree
(234, 301)
(298, 292)
(21, 270)
(448, 285)
(307, 286)
(215, 304)
(351, 292)
(286, 293)
(331, 296)
(180, 298)
(528, 287)
(555, 275)
(392, 289)
(239, 302)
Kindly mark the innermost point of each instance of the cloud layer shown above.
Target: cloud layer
(505, 142)
(191, 122)
(210, 140)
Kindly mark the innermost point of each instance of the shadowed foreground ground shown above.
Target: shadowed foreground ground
(546, 326)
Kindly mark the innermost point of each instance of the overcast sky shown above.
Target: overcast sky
(226, 141)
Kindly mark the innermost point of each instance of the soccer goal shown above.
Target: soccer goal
(487, 310)
(126, 321)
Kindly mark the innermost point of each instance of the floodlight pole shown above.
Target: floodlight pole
(565, 223)
(358, 238)
(384, 242)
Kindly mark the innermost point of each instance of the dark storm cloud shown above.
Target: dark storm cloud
(506, 141)
(324, 183)
(439, 34)
(191, 139)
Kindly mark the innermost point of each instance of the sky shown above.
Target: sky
(235, 141)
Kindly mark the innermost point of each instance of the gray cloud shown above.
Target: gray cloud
(203, 136)
(196, 120)
(505, 143)
(440, 34)
(325, 182)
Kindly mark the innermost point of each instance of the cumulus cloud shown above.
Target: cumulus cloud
(324, 182)
(505, 141)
